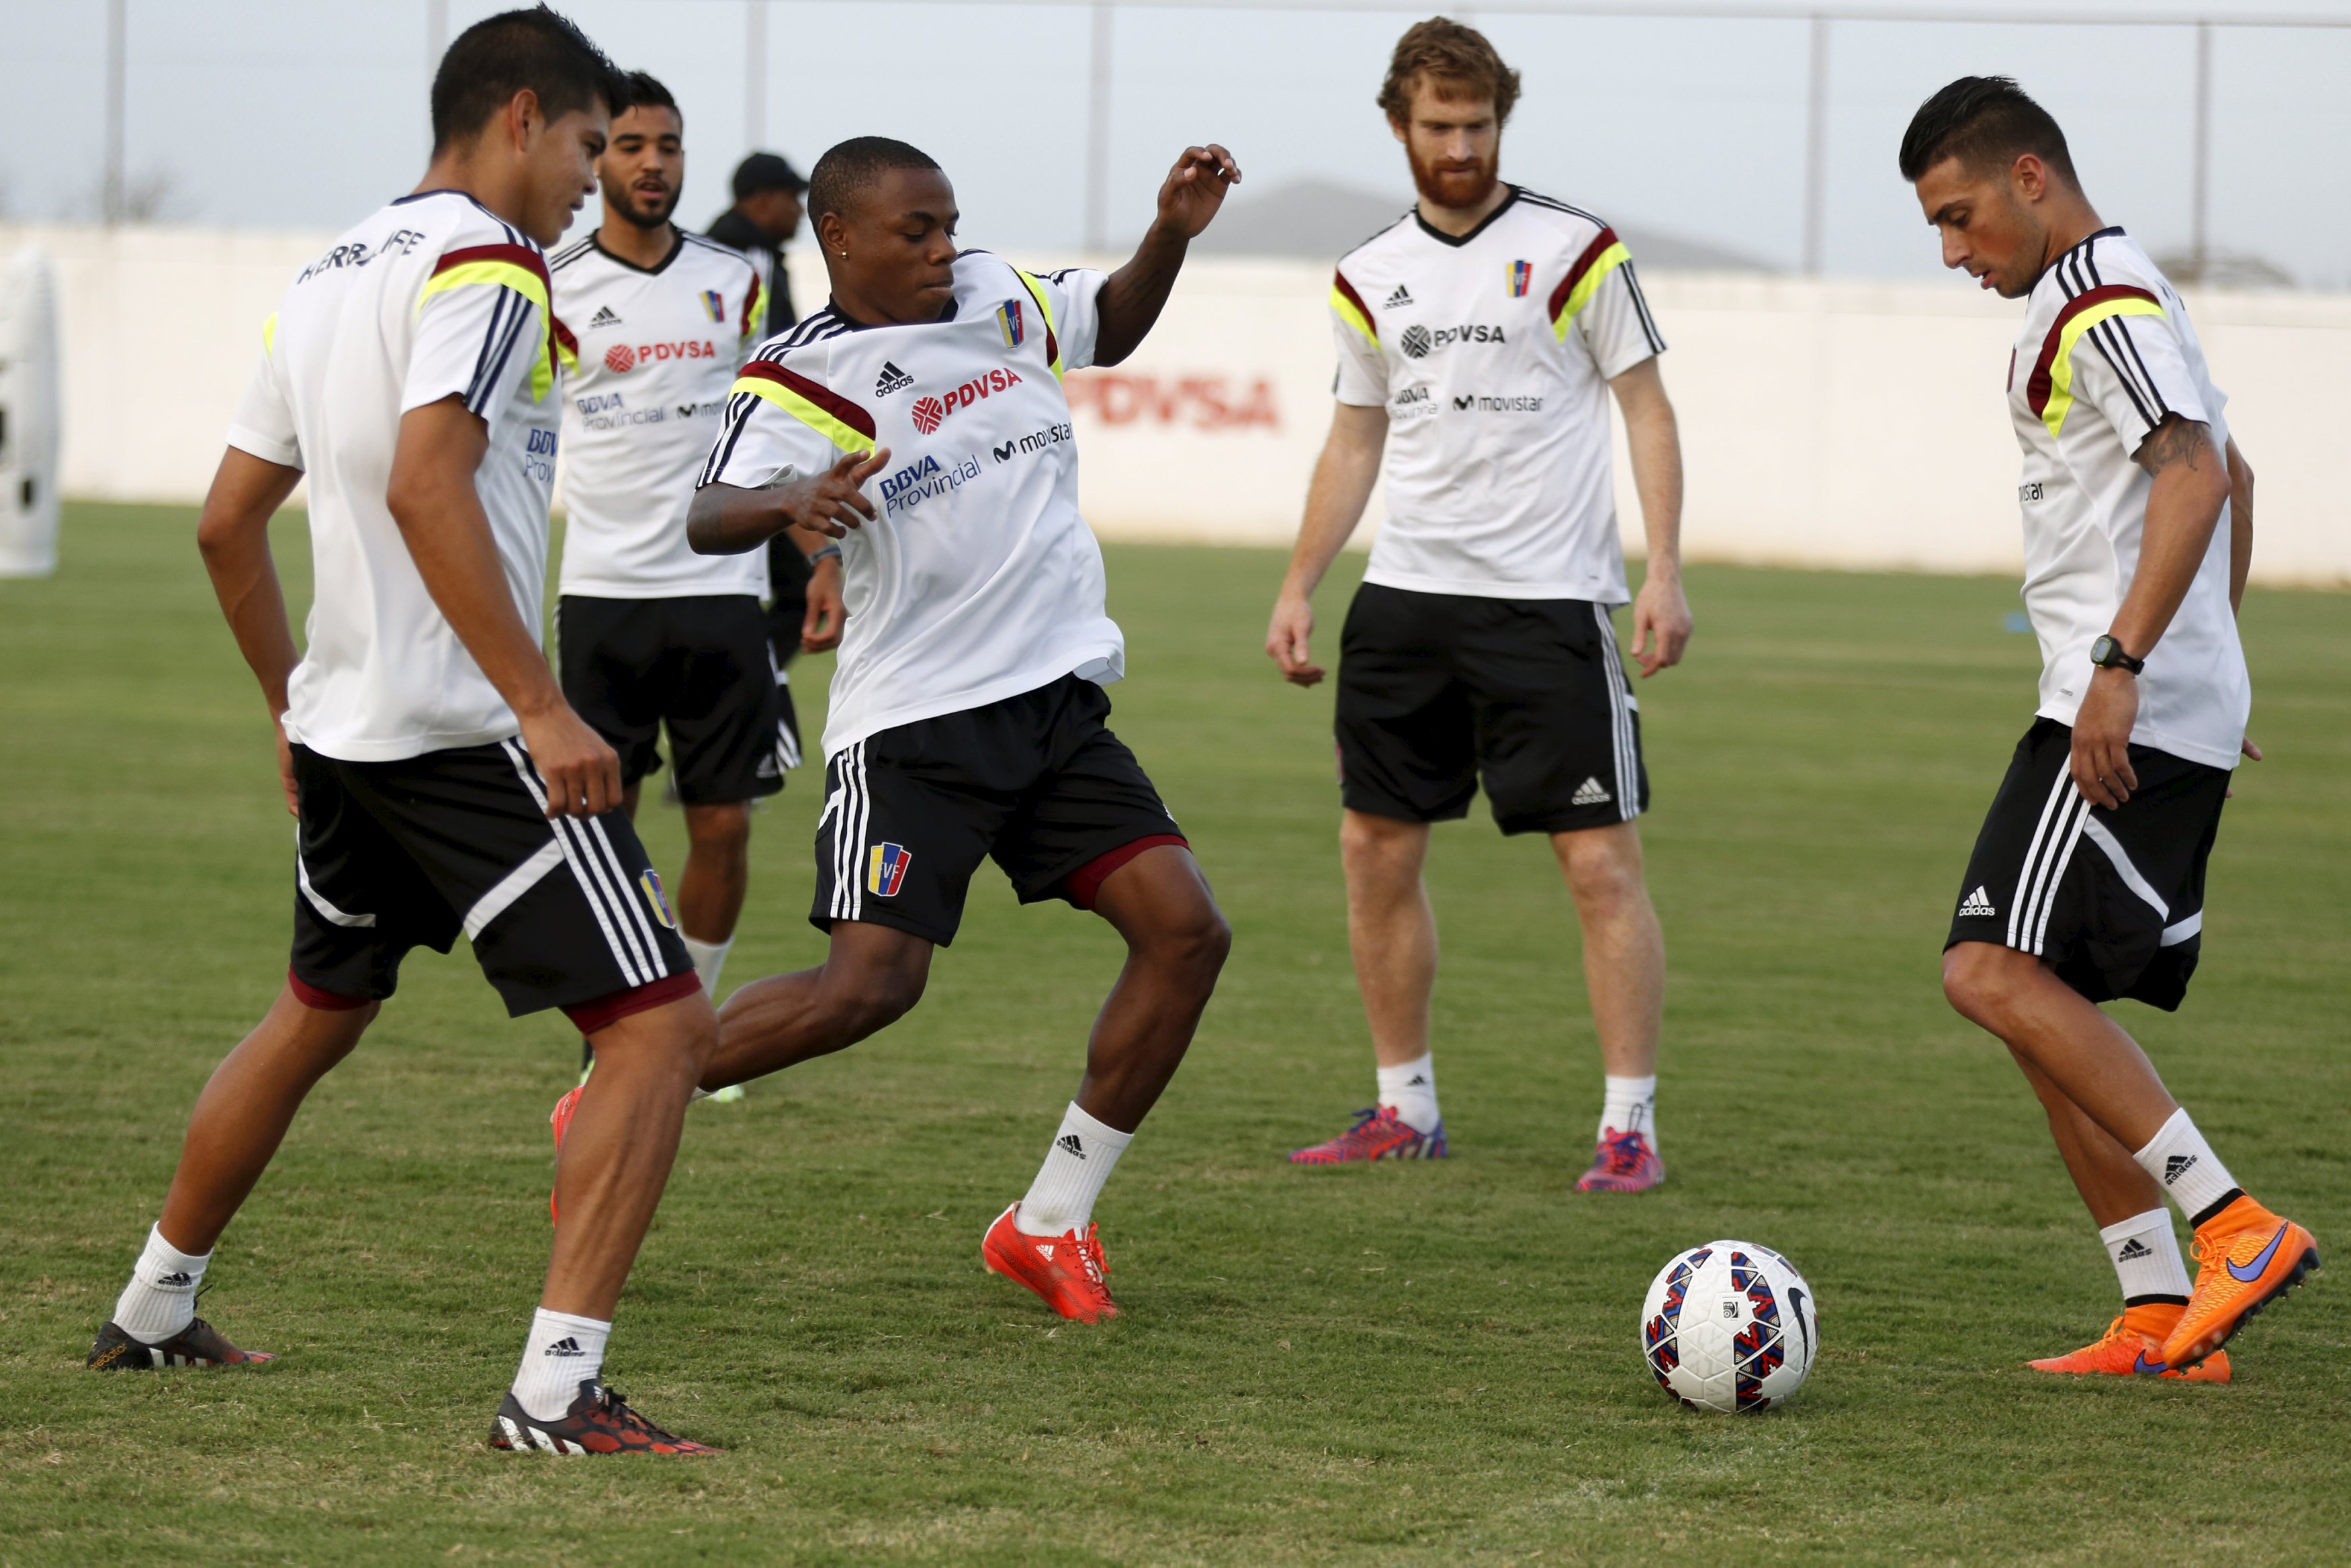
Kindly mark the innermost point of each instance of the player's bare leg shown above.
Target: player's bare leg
(717, 872)
(1625, 976)
(2110, 1181)
(1177, 941)
(871, 978)
(1392, 936)
(247, 1105)
(2085, 1055)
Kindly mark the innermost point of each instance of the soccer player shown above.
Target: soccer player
(966, 721)
(649, 632)
(440, 783)
(1480, 338)
(2088, 879)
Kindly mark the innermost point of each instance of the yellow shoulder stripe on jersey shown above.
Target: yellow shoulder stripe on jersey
(1052, 339)
(1605, 254)
(819, 408)
(1348, 305)
(269, 334)
(2050, 390)
(503, 266)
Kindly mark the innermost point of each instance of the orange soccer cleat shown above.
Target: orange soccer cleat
(2133, 1346)
(1068, 1270)
(2247, 1257)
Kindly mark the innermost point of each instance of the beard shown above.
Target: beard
(1453, 185)
(649, 215)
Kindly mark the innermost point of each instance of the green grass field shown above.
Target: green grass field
(1387, 1364)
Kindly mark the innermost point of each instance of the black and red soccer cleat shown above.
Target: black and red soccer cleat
(599, 1422)
(198, 1344)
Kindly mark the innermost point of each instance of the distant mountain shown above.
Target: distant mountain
(1318, 220)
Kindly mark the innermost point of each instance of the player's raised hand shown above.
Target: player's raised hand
(580, 768)
(1286, 639)
(835, 501)
(1661, 625)
(1195, 188)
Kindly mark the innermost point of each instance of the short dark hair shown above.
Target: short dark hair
(849, 169)
(1987, 123)
(642, 89)
(1447, 52)
(500, 56)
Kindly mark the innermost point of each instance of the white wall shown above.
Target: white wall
(1823, 423)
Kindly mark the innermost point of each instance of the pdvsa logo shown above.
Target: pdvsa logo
(929, 413)
(1420, 343)
(620, 358)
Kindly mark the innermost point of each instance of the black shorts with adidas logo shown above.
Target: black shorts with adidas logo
(703, 667)
(2113, 900)
(1438, 693)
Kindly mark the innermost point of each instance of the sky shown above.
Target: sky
(308, 113)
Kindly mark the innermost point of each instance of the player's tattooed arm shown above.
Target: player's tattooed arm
(727, 520)
(1131, 301)
(2176, 440)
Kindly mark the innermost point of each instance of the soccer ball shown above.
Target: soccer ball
(1729, 1326)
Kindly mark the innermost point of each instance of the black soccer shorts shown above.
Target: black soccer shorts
(1438, 689)
(704, 665)
(393, 855)
(2113, 900)
(1037, 782)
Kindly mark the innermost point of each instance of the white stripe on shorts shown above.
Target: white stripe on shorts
(1628, 772)
(630, 975)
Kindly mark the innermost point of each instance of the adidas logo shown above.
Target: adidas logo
(1045, 1252)
(1400, 298)
(566, 1345)
(1589, 793)
(1976, 903)
(1417, 1080)
(604, 317)
(891, 380)
(2177, 1166)
(766, 768)
(1070, 1142)
(179, 1282)
(2134, 1250)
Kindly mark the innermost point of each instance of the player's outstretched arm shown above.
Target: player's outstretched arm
(2183, 506)
(1135, 293)
(726, 519)
(433, 499)
(234, 535)
(1661, 614)
(1343, 477)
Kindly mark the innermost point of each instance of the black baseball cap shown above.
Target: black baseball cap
(767, 171)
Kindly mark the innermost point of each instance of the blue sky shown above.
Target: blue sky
(299, 113)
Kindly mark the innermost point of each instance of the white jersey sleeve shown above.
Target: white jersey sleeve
(264, 425)
(1613, 316)
(480, 329)
(1362, 377)
(1073, 297)
(2126, 360)
(784, 423)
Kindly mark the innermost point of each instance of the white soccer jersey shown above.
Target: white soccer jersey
(2106, 353)
(658, 349)
(433, 297)
(1492, 353)
(977, 579)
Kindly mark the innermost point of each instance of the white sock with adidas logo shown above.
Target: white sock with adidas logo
(1411, 1089)
(560, 1351)
(160, 1299)
(1061, 1199)
(2184, 1164)
(1629, 1104)
(2145, 1255)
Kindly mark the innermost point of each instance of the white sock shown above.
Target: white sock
(2184, 1164)
(709, 958)
(160, 1299)
(1629, 1104)
(2145, 1255)
(1061, 1199)
(1411, 1089)
(560, 1351)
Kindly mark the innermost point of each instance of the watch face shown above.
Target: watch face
(2102, 650)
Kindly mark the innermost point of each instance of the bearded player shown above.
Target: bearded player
(2087, 880)
(919, 419)
(1481, 338)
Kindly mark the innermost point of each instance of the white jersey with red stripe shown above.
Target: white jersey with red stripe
(977, 579)
(658, 349)
(433, 297)
(1492, 353)
(2106, 352)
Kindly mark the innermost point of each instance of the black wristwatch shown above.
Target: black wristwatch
(2107, 654)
